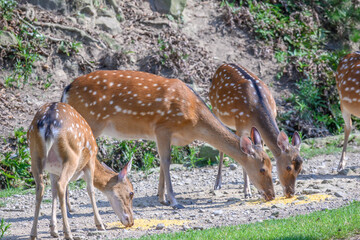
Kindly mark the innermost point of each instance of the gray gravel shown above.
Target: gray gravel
(204, 207)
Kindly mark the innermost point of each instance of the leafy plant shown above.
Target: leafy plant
(298, 33)
(7, 7)
(3, 227)
(15, 165)
(69, 48)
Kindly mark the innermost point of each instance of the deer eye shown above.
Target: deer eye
(131, 194)
(262, 170)
(288, 168)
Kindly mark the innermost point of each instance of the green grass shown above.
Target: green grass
(328, 224)
(8, 192)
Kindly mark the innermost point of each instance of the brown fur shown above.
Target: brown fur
(241, 100)
(61, 142)
(348, 85)
(142, 105)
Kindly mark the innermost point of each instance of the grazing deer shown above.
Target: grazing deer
(61, 142)
(134, 105)
(347, 82)
(240, 100)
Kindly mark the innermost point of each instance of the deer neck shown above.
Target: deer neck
(269, 130)
(212, 131)
(102, 176)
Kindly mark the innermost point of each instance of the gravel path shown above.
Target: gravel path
(204, 207)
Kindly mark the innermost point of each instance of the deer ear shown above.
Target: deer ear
(296, 140)
(123, 173)
(246, 145)
(107, 167)
(283, 141)
(256, 137)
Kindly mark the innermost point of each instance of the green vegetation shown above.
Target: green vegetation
(3, 227)
(300, 35)
(15, 164)
(69, 48)
(144, 154)
(327, 224)
(25, 52)
(29, 48)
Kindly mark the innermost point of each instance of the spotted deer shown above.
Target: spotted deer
(347, 82)
(61, 143)
(134, 105)
(241, 100)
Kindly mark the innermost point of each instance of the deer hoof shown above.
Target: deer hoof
(217, 187)
(166, 203)
(54, 234)
(178, 206)
(100, 227)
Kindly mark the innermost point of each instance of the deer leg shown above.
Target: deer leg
(66, 174)
(347, 120)
(219, 176)
(247, 189)
(88, 176)
(39, 180)
(163, 143)
(69, 207)
(161, 189)
(53, 222)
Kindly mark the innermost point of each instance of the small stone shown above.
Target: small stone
(264, 208)
(275, 214)
(339, 194)
(302, 198)
(232, 166)
(160, 226)
(95, 233)
(186, 227)
(325, 181)
(198, 228)
(310, 191)
(201, 211)
(217, 212)
(347, 172)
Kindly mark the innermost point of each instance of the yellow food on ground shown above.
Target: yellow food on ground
(302, 199)
(147, 223)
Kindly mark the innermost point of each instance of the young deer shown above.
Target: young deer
(134, 105)
(240, 100)
(347, 82)
(61, 142)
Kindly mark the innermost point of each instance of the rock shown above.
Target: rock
(173, 7)
(217, 212)
(347, 172)
(275, 214)
(58, 5)
(108, 24)
(186, 227)
(160, 226)
(232, 166)
(208, 152)
(96, 233)
(88, 11)
(264, 208)
(302, 198)
(325, 181)
(198, 228)
(339, 194)
(310, 191)
(7, 39)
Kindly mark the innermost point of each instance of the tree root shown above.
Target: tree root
(82, 33)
